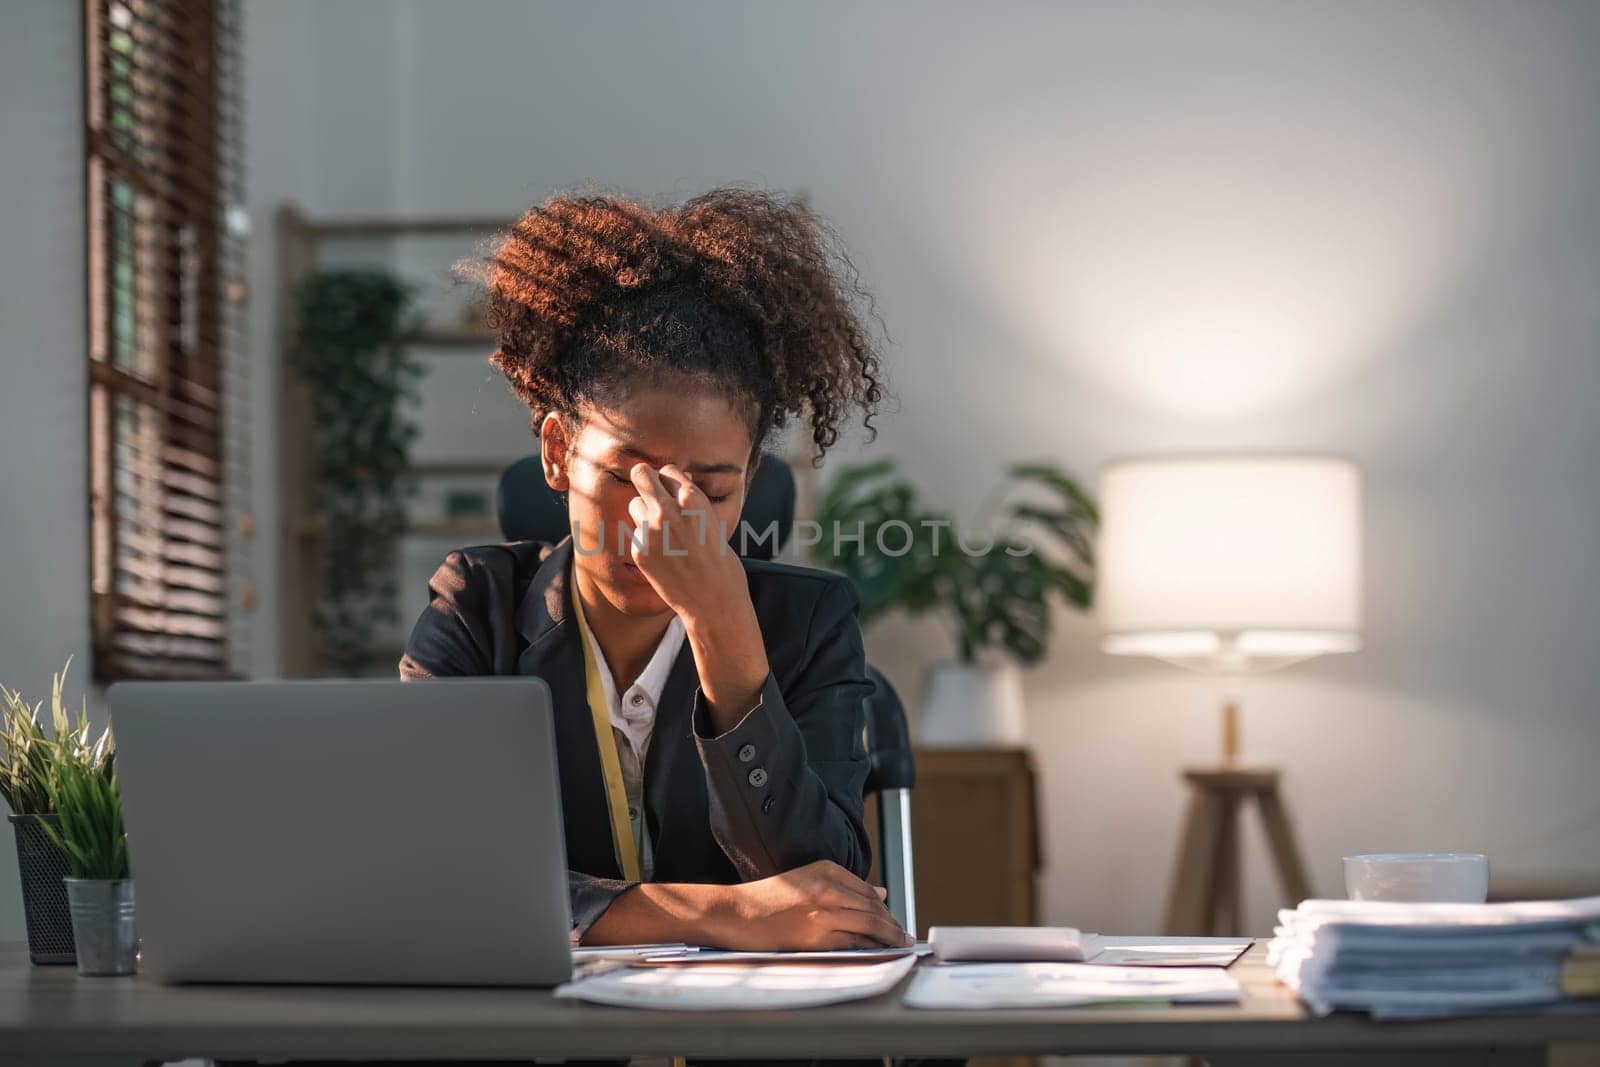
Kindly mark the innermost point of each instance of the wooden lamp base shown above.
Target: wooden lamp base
(1206, 883)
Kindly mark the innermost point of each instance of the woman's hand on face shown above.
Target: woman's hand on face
(678, 545)
(686, 559)
(818, 906)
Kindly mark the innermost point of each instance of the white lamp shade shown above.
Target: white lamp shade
(1230, 563)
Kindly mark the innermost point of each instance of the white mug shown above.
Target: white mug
(1456, 877)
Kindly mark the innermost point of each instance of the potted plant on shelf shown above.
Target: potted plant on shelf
(99, 891)
(29, 753)
(992, 584)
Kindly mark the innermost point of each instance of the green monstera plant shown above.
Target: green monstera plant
(993, 584)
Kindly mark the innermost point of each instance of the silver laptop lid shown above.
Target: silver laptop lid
(345, 831)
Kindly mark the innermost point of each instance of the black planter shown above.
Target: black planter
(43, 865)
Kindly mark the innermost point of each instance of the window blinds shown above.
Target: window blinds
(161, 79)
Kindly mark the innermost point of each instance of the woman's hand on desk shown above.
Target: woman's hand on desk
(818, 906)
(686, 559)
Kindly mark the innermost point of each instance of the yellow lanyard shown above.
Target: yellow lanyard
(622, 838)
(626, 850)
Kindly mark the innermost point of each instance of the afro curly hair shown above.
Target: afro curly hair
(745, 292)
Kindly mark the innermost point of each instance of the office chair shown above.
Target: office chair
(530, 510)
(893, 774)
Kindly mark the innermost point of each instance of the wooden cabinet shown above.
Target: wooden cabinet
(975, 834)
(975, 838)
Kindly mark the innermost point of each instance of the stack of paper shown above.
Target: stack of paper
(1419, 960)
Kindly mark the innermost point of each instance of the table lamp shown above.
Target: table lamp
(1229, 565)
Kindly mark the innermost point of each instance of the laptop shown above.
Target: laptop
(345, 831)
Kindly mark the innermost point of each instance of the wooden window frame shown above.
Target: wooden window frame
(159, 77)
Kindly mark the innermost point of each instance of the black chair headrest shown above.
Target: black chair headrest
(531, 511)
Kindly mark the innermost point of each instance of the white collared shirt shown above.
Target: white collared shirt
(633, 716)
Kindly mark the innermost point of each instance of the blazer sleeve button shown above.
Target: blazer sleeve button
(758, 777)
(766, 805)
(747, 753)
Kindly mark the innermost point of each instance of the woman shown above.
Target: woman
(708, 708)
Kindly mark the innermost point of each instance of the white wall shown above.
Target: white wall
(315, 89)
(44, 476)
(1102, 228)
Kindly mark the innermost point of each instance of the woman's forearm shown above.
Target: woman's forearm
(818, 906)
(655, 912)
(731, 661)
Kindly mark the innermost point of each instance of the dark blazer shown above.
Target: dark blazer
(781, 789)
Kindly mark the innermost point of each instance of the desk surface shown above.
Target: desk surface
(51, 1010)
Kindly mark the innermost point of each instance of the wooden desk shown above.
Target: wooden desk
(52, 1011)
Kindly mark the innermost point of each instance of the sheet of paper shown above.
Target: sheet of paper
(704, 956)
(735, 986)
(1426, 920)
(1119, 951)
(1061, 985)
(630, 952)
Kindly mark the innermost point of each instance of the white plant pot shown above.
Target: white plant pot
(972, 706)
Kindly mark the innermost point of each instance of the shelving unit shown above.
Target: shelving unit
(303, 243)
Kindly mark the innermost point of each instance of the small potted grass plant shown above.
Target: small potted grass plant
(99, 890)
(30, 748)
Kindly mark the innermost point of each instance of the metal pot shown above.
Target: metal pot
(102, 925)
